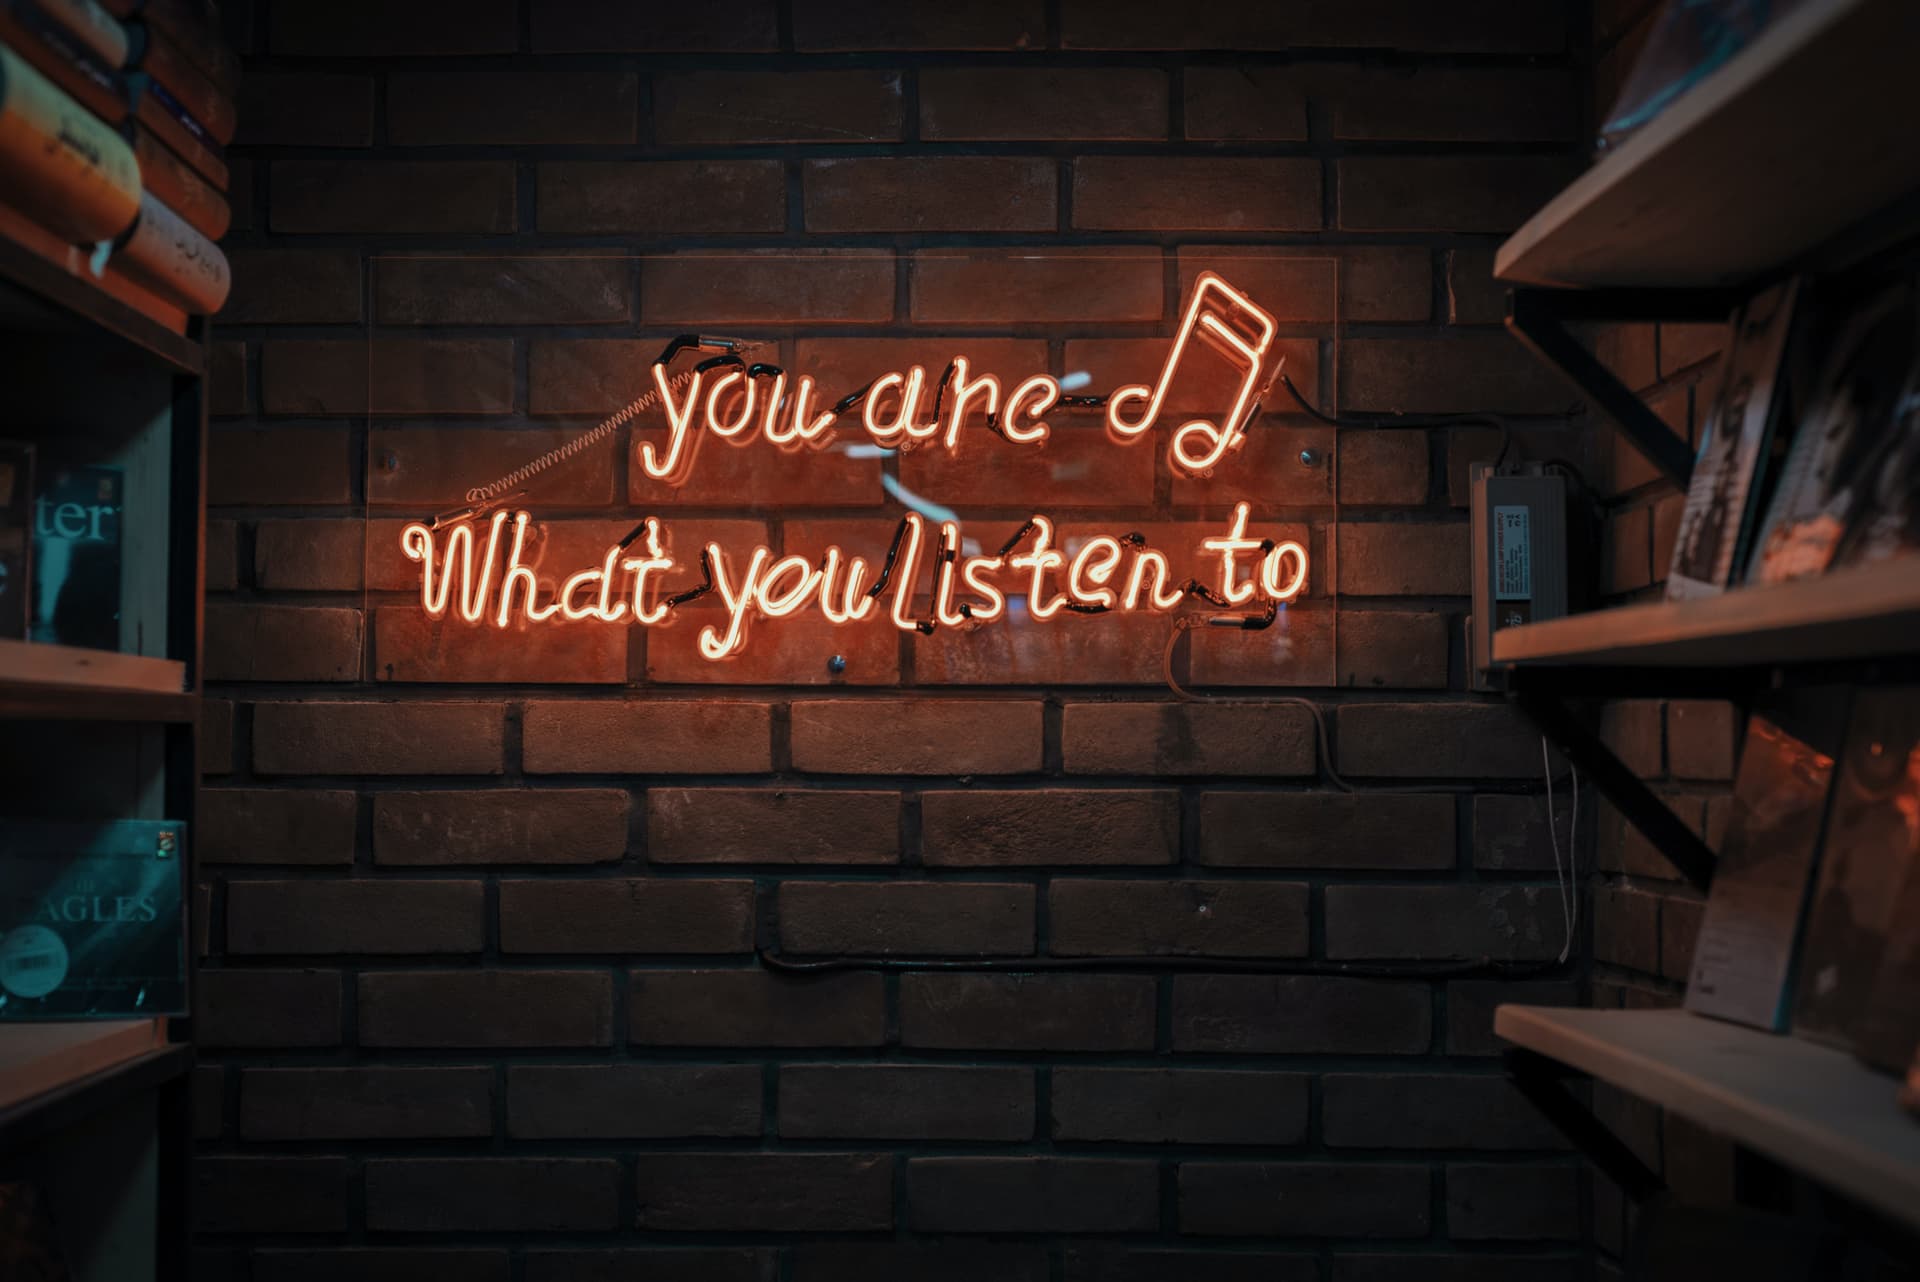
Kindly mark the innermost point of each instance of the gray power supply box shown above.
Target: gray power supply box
(1519, 555)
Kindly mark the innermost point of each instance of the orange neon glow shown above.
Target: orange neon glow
(967, 389)
(1041, 559)
(1095, 564)
(854, 603)
(800, 427)
(1230, 546)
(1201, 444)
(1044, 391)
(743, 418)
(672, 466)
(902, 428)
(905, 571)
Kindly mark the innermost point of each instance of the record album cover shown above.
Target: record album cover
(1887, 522)
(76, 557)
(1833, 462)
(1871, 838)
(92, 920)
(1716, 522)
(1743, 959)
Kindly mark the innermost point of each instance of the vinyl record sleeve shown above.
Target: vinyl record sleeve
(77, 518)
(92, 920)
(1887, 523)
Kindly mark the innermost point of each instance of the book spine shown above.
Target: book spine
(185, 90)
(67, 167)
(62, 57)
(179, 188)
(192, 29)
(175, 260)
(149, 111)
(93, 27)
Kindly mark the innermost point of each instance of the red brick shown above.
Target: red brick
(227, 381)
(209, 1087)
(1057, 826)
(547, 289)
(1404, 559)
(1314, 283)
(309, 555)
(515, 826)
(1318, 1199)
(282, 643)
(628, 915)
(1471, 1003)
(1243, 104)
(916, 737)
(609, 26)
(1683, 346)
(1027, 1012)
(753, 480)
(1267, 470)
(704, 108)
(649, 736)
(333, 378)
(1701, 739)
(1325, 830)
(1187, 739)
(783, 286)
(1074, 467)
(392, 197)
(845, 365)
(240, 193)
(1113, 649)
(1469, 445)
(662, 197)
(632, 1101)
(941, 1260)
(772, 826)
(1446, 193)
(1429, 1110)
(366, 1103)
(1679, 928)
(367, 28)
(1206, 386)
(906, 918)
(1510, 834)
(1498, 26)
(754, 1008)
(1196, 193)
(1177, 919)
(357, 916)
(766, 1192)
(588, 375)
(305, 109)
(282, 1008)
(1474, 297)
(998, 25)
(378, 1264)
(1299, 1014)
(1628, 551)
(502, 1009)
(1032, 1195)
(1186, 1106)
(426, 108)
(270, 1194)
(1443, 923)
(1478, 1267)
(1149, 1264)
(428, 468)
(1487, 1202)
(493, 1194)
(216, 736)
(293, 287)
(1066, 283)
(409, 645)
(283, 466)
(905, 1102)
(994, 103)
(795, 651)
(1666, 532)
(1384, 468)
(274, 826)
(1631, 728)
(1626, 929)
(1392, 649)
(1438, 740)
(931, 193)
(1626, 350)
(1450, 104)
(1627, 469)
(377, 738)
(1460, 373)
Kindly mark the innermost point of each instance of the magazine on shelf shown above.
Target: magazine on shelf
(1834, 459)
(1887, 524)
(92, 920)
(76, 557)
(1887, 1033)
(1716, 523)
(1871, 837)
(1744, 957)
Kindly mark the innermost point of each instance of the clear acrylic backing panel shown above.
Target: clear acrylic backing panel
(869, 467)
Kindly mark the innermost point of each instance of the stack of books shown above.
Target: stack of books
(114, 116)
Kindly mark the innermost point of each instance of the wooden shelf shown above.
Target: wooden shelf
(1811, 1108)
(40, 296)
(1802, 135)
(54, 669)
(1866, 612)
(50, 1073)
(36, 701)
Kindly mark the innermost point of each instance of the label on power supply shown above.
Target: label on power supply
(1512, 553)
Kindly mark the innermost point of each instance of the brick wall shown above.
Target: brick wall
(482, 995)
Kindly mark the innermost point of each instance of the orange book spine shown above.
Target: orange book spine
(206, 161)
(181, 189)
(181, 81)
(63, 165)
(192, 28)
(72, 66)
(177, 262)
(30, 235)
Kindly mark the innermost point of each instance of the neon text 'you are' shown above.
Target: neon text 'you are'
(482, 576)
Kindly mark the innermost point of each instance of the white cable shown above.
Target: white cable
(1562, 879)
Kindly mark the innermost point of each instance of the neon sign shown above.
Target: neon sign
(483, 578)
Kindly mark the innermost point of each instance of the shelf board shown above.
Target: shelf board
(40, 701)
(53, 1074)
(1811, 1108)
(1866, 612)
(40, 296)
(1797, 138)
(43, 674)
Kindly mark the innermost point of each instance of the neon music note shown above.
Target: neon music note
(1235, 328)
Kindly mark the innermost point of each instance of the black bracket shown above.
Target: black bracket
(1641, 806)
(1539, 319)
(1544, 1082)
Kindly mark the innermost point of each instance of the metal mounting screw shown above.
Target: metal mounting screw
(837, 664)
(1308, 458)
